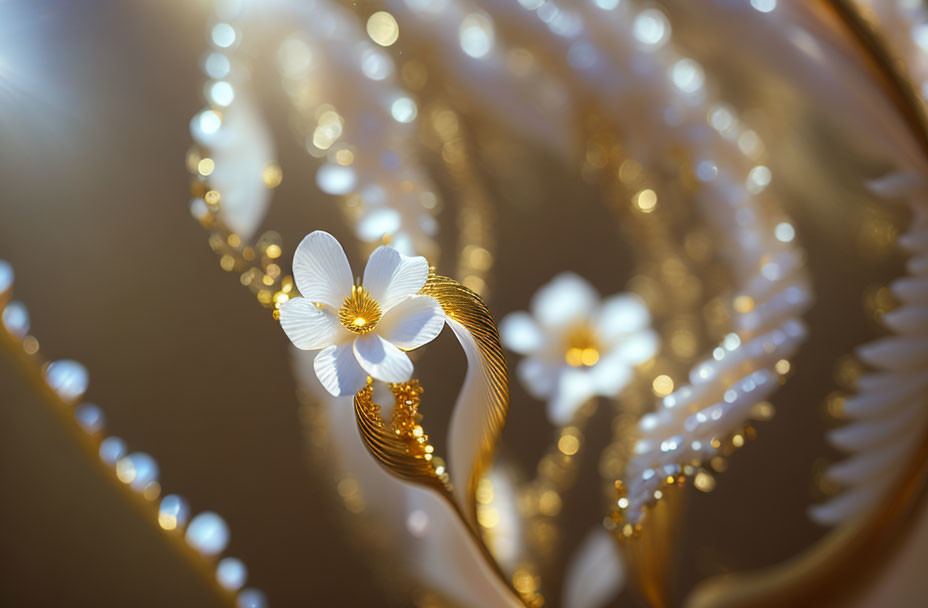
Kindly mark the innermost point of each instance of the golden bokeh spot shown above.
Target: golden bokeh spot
(568, 445)
(744, 304)
(359, 313)
(525, 581)
(383, 28)
(485, 491)
(167, 521)
(272, 175)
(549, 503)
(487, 516)
(344, 157)
(581, 347)
(30, 345)
(662, 385)
(328, 129)
(646, 200)
(704, 482)
(152, 491)
(206, 166)
(629, 171)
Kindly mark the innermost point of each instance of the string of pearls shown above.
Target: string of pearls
(725, 390)
(691, 423)
(202, 538)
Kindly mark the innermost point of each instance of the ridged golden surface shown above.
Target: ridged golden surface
(405, 455)
(399, 450)
(467, 308)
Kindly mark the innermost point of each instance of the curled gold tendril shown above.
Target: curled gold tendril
(402, 446)
(466, 312)
(395, 447)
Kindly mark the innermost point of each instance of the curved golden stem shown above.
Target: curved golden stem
(480, 414)
(403, 449)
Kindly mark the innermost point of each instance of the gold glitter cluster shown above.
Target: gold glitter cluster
(256, 264)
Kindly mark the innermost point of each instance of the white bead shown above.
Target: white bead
(252, 598)
(208, 533)
(173, 512)
(112, 449)
(16, 319)
(90, 417)
(231, 573)
(6, 276)
(67, 378)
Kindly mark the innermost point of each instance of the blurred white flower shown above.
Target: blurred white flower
(577, 346)
(361, 329)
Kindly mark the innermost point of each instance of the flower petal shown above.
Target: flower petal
(621, 315)
(415, 321)
(390, 276)
(538, 376)
(381, 359)
(566, 299)
(338, 370)
(321, 269)
(520, 333)
(611, 374)
(308, 327)
(638, 347)
(575, 387)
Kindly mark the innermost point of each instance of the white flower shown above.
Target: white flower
(362, 329)
(577, 346)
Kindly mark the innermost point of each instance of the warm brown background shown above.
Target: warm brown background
(93, 215)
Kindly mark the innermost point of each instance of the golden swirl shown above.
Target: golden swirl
(480, 414)
(402, 447)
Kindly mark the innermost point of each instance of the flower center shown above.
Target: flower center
(359, 312)
(582, 348)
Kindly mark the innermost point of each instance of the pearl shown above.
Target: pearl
(90, 417)
(223, 35)
(67, 378)
(252, 598)
(335, 179)
(112, 449)
(231, 573)
(16, 319)
(208, 533)
(6, 276)
(137, 469)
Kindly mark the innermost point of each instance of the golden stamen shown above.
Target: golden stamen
(581, 347)
(359, 312)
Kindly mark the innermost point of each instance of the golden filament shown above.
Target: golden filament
(359, 313)
(582, 348)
